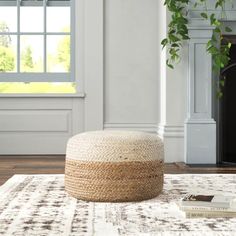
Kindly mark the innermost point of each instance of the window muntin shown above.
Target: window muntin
(30, 53)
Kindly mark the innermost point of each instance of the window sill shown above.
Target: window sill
(42, 95)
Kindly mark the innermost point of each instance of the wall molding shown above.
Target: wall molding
(170, 131)
(173, 139)
(132, 126)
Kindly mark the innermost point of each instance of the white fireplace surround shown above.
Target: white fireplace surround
(191, 85)
(200, 127)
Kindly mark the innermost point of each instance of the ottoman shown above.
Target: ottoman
(114, 166)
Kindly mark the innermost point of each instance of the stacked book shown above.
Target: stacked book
(209, 206)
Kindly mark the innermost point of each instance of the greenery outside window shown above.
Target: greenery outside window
(36, 41)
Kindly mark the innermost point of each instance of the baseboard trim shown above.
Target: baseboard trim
(170, 131)
(132, 126)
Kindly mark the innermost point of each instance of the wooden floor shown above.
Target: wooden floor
(10, 165)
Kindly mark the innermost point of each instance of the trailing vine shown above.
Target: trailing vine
(178, 33)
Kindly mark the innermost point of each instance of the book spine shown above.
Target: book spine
(205, 204)
(199, 214)
(199, 208)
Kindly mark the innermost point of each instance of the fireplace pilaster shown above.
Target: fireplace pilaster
(200, 127)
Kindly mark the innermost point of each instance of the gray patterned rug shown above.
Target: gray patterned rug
(38, 205)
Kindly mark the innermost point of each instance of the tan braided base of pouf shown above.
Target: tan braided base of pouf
(114, 181)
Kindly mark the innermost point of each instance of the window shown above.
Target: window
(36, 41)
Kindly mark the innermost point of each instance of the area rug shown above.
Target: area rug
(38, 205)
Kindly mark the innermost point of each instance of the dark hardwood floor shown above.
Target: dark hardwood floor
(10, 165)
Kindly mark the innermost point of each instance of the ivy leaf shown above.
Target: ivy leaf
(213, 50)
(209, 43)
(217, 30)
(213, 38)
(175, 45)
(164, 42)
(174, 38)
(212, 18)
(169, 65)
(228, 29)
(185, 37)
(219, 3)
(204, 15)
(172, 31)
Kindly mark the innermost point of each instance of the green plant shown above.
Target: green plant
(178, 32)
(5, 39)
(27, 60)
(7, 61)
(64, 53)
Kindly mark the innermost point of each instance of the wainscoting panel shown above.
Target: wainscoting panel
(38, 126)
(35, 121)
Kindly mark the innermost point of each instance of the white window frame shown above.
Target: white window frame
(90, 64)
(44, 76)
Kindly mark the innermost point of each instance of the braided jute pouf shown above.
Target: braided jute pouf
(114, 166)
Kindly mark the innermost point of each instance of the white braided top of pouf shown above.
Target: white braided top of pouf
(105, 146)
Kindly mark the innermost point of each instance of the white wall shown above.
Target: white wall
(131, 64)
(140, 92)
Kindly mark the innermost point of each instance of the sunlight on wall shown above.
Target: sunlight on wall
(37, 87)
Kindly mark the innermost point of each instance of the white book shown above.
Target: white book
(209, 201)
(205, 208)
(209, 214)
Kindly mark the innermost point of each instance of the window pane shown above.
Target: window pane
(8, 19)
(31, 57)
(58, 19)
(58, 53)
(31, 19)
(8, 45)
